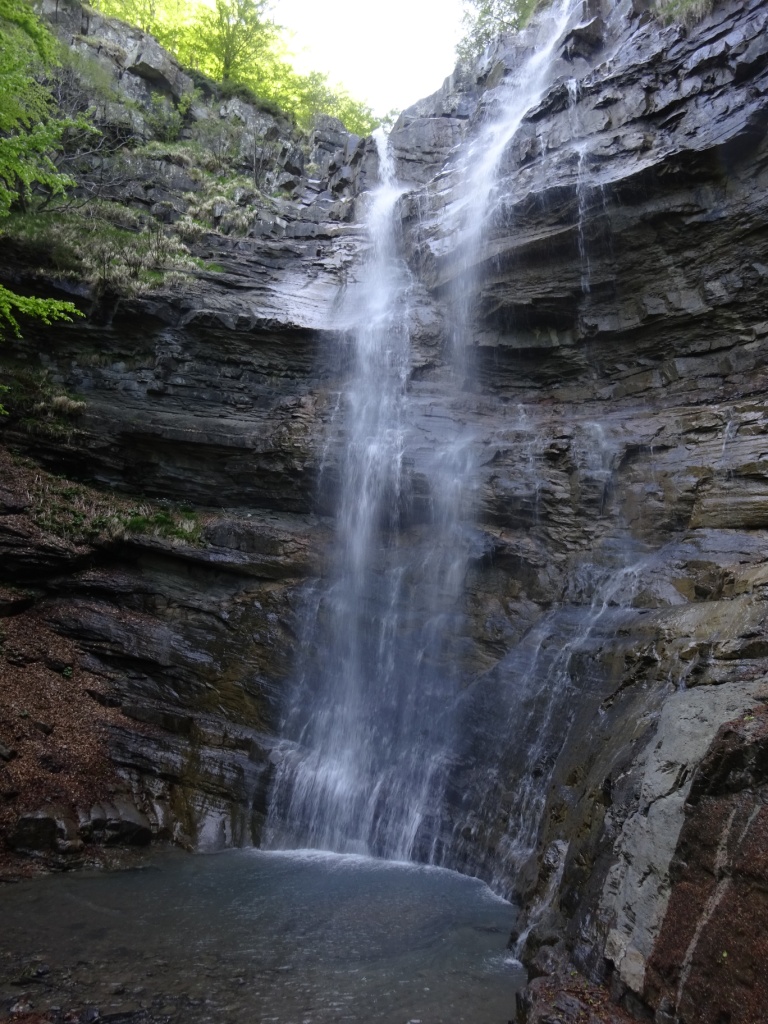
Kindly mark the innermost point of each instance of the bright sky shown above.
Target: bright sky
(388, 53)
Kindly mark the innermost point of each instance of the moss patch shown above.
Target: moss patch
(82, 514)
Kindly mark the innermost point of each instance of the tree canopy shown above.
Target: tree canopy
(486, 19)
(29, 132)
(233, 36)
(236, 42)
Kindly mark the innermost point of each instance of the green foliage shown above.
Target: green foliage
(29, 133)
(46, 310)
(33, 38)
(683, 12)
(82, 514)
(77, 82)
(486, 19)
(237, 45)
(356, 117)
(266, 101)
(38, 406)
(113, 249)
(164, 523)
(231, 40)
(163, 119)
(306, 96)
(182, 154)
(219, 140)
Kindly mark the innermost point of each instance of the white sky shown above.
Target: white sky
(388, 53)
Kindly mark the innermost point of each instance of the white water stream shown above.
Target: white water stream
(370, 713)
(370, 728)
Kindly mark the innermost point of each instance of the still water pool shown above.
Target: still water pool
(264, 938)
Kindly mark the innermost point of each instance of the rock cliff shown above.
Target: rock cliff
(616, 649)
(619, 333)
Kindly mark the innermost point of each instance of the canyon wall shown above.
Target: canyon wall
(620, 338)
(611, 769)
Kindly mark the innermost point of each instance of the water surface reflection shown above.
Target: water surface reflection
(286, 938)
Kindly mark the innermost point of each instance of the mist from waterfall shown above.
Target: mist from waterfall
(369, 724)
(370, 730)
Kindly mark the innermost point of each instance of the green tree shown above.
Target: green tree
(236, 42)
(305, 96)
(317, 96)
(29, 134)
(486, 19)
(230, 40)
(146, 14)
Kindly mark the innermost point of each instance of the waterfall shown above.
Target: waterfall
(369, 721)
(521, 92)
(369, 734)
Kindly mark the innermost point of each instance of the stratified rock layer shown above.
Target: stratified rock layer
(616, 599)
(619, 332)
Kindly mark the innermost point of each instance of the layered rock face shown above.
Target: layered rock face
(618, 620)
(610, 768)
(208, 394)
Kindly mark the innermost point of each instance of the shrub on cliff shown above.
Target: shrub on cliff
(684, 12)
(236, 43)
(484, 20)
(30, 132)
(114, 250)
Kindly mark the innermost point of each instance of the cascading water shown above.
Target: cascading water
(522, 91)
(370, 715)
(476, 199)
(370, 730)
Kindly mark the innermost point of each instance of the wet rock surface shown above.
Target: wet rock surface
(89, 991)
(709, 960)
(620, 498)
(559, 993)
(139, 680)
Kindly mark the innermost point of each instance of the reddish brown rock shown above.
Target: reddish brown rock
(567, 997)
(710, 963)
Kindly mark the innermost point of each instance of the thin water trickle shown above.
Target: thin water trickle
(524, 89)
(536, 682)
(471, 214)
